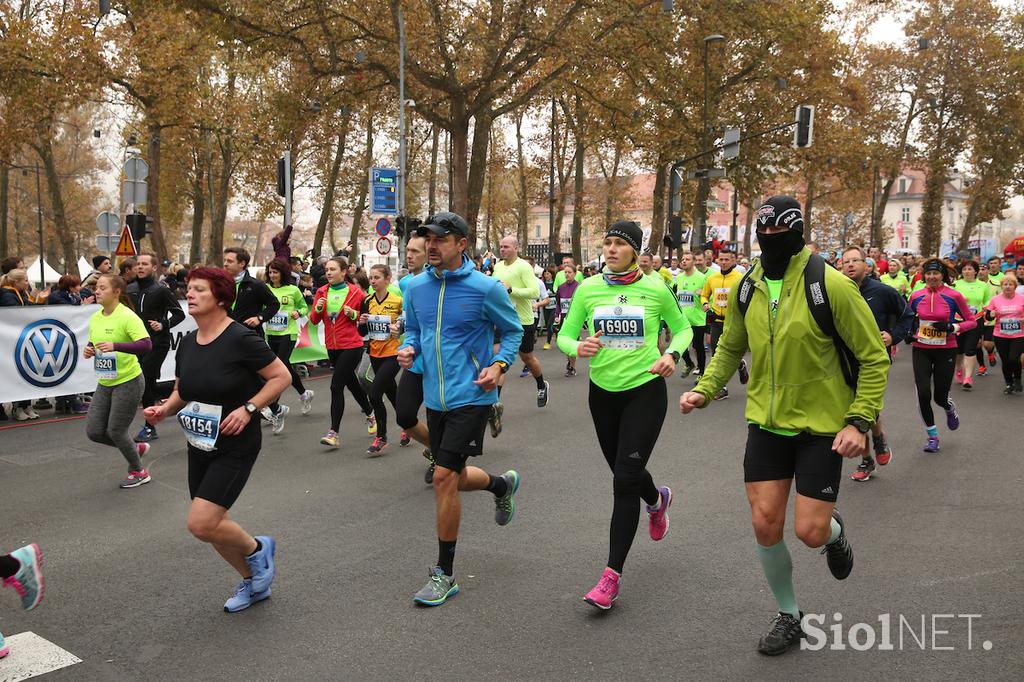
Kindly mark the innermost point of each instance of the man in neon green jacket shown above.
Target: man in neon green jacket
(802, 415)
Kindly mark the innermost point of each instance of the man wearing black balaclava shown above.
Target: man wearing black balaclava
(802, 416)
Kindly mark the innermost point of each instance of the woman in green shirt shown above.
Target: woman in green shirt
(628, 397)
(977, 295)
(282, 333)
(117, 337)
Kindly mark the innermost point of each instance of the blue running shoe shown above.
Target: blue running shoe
(4, 649)
(438, 589)
(952, 416)
(262, 564)
(146, 434)
(28, 581)
(244, 597)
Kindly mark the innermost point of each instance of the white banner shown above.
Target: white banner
(41, 351)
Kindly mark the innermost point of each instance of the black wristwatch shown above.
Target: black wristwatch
(250, 407)
(861, 425)
(675, 355)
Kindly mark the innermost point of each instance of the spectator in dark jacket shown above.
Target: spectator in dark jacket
(69, 292)
(254, 303)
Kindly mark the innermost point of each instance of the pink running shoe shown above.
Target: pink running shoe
(959, 376)
(659, 518)
(606, 591)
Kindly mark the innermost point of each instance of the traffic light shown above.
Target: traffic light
(282, 175)
(675, 230)
(405, 226)
(731, 140)
(804, 133)
(138, 225)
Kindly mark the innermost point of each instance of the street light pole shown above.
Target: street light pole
(401, 133)
(551, 178)
(39, 213)
(700, 231)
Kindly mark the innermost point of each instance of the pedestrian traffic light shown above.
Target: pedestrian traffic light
(804, 133)
(138, 225)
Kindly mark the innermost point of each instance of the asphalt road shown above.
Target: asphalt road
(131, 593)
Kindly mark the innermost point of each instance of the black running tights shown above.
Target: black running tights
(384, 372)
(345, 364)
(934, 366)
(1009, 352)
(627, 425)
(283, 345)
(410, 397)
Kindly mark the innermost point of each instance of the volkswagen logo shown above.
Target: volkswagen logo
(46, 353)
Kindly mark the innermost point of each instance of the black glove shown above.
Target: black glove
(942, 326)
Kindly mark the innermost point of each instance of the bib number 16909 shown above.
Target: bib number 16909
(621, 327)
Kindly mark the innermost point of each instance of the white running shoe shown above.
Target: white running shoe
(307, 401)
(279, 419)
(31, 413)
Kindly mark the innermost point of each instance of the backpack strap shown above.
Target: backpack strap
(821, 311)
(746, 291)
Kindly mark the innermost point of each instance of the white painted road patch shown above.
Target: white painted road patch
(31, 656)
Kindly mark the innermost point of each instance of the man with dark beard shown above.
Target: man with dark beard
(803, 414)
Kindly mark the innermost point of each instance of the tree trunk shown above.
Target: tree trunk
(578, 199)
(5, 171)
(971, 220)
(195, 255)
(612, 181)
(435, 134)
(477, 171)
(219, 189)
(458, 162)
(60, 222)
(523, 198)
(699, 214)
(809, 210)
(747, 236)
(332, 184)
(153, 201)
(660, 195)
(357, 215)
(930, 223)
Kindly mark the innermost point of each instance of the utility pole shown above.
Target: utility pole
(39, 213)
(401, 138)
(551, 177)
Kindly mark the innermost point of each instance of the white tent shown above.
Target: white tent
(84, 267)
(50, 276)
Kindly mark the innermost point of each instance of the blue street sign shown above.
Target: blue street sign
(383, 186)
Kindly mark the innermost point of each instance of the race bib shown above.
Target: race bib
(721, 298)
(564, 304)
(278, 323)
(201, 423)
(622, 326)
(378, 327)
(105, 365)
(1010, 326)
(686, 299)
(929, 335)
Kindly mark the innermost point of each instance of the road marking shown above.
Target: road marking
(31, 656)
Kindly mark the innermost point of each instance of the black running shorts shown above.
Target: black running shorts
(457, 435)
(808, 458)
(218, 477)
(529, 338)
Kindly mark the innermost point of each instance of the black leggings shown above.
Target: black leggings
(283, 345)
(627, 425)
(151, 363)
(549, 321)
(384, 372)
(933, 366)
(345, 364)
(409, 399)
(1009, 352)
(715, 329)
(698, 348)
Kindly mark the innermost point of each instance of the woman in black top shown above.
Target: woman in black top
(226, 374)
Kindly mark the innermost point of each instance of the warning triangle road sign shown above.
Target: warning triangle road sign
(126, 245)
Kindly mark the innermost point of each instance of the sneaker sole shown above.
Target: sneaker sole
(437, 602)
(330, 445)
(144, 481)
(861, 480)
(779, 652)
(256, 599)
(602, 607)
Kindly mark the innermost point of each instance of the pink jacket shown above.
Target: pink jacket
(944, 304)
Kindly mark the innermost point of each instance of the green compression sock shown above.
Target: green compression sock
(778, 569)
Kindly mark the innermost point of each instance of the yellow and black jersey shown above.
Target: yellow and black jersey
(380, 316)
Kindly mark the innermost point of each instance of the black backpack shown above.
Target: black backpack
(821, 311)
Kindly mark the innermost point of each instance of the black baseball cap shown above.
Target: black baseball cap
(444, 223)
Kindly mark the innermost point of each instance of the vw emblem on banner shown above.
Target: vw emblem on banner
(46, 353)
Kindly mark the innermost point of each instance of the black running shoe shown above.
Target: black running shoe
(744, 374)
(785, 632)
(542, 394)
(840, 554)
(428, 477)
(494, 419)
